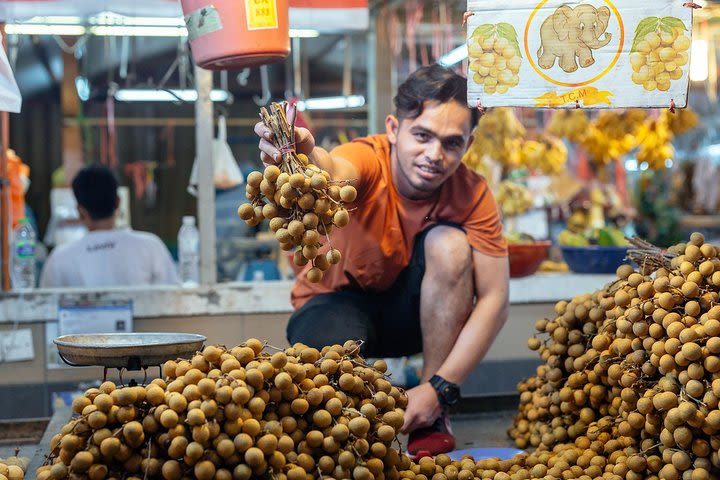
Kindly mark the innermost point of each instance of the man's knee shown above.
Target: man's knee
(448, 252)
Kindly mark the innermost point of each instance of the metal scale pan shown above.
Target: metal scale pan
(131, 351)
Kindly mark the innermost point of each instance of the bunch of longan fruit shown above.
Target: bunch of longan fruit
(513, 198)
(300, 199)
(571, 124)
(658, 57)
(495, 58)
(13, 467)
(239, 413)
(630, 381)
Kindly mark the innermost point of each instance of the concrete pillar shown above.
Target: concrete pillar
(381, 78)
(206, 185)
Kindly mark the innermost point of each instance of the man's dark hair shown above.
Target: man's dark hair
(433, 82)
(95, 189)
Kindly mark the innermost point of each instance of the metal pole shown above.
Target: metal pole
(297, 69)
(5, 217)
(206, 187)
(5, 200)
(347, 66)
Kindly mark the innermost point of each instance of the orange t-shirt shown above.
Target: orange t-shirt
(378, 242)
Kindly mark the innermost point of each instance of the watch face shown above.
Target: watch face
(448, 393)
(451, 394)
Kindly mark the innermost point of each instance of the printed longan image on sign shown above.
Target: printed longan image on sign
(585, 53)
(495, 57)
(659, 53)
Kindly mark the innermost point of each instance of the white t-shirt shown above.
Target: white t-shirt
(108, 258)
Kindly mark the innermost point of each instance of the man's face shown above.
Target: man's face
(428, 149)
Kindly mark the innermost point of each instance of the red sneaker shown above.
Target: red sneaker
(432, 440)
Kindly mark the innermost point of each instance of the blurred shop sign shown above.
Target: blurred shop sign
(94, 316)
(329, 15)
(588, 53)
(88, 313)
(320, 15)
(25, 9)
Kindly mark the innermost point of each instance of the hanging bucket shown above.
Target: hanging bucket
(230, 34)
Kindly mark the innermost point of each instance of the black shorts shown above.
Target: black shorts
(388, 322)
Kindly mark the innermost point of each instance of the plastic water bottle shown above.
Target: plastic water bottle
(23, 259)
(189, 252)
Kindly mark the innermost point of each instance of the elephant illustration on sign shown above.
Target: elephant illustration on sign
(571, 34)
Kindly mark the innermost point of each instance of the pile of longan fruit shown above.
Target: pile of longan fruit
(240, 413)
(630, 381)
(13, 467)
(629, 390)
(658, 58)
(494, 62)
(301, 201)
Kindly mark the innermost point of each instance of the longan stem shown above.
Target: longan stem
(646, 254)
(327, 235)
(273, 347)
(149, 447)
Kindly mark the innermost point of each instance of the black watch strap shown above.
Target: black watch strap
(448, 393)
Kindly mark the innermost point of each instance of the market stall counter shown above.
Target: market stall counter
(228, 314)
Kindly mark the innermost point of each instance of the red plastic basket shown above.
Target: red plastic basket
(229, 34)
(525, 258)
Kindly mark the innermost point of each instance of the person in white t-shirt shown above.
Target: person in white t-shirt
(106, 256)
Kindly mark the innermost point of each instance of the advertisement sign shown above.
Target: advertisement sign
(88, 315)
(587, 53)
(321, 15)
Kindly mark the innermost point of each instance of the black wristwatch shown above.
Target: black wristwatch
(448, 393)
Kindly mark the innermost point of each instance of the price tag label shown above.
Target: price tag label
(261, 14)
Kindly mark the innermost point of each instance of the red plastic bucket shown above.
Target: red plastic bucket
(229, 34)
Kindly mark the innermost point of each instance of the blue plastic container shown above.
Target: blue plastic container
(594, 259)
(485, 453)
(264, 268)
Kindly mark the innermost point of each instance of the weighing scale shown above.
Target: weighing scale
(126, 351)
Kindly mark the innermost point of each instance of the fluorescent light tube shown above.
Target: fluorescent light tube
(303, 33)
(152, 95)
(331, 103)
(56, 19)
(138, 31)
(112, 24)
(39, 29)
(109, 18)
(455, 56)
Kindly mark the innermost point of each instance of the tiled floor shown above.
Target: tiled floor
(480, 430)
(487, 429)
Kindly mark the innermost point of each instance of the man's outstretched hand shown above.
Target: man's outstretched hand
(422, 409)
(269, 154)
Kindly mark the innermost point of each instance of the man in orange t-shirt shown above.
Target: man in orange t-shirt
(424, 266)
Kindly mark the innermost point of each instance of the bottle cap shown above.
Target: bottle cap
(188, 220)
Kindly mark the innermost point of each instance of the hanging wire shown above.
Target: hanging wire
(65, 47)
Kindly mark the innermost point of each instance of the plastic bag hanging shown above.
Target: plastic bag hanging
(10, 98)
(226, 174)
